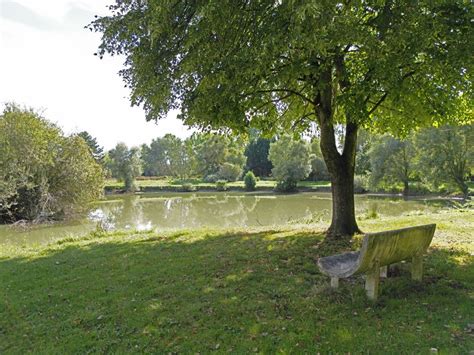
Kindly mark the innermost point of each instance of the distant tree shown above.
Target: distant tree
(229, 171)
(96, 150)
(392, 162)
(166, 156)
(210, 153)
(147, 162)
(362, 163)
(125, 165)
(257, 155)
(43, 174)
(213, 151)
(291, 162)
(446, 154)
(319, 170)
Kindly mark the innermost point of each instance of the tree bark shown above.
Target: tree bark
(341, 168)
(343, 221)
(406, 188)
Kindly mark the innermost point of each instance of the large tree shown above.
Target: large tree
(280, 65)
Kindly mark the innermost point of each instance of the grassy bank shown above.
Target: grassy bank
(232, 291)
(153, 184)
(156, 185)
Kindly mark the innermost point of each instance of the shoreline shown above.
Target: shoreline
(111, 191)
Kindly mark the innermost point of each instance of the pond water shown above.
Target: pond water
(171, 211)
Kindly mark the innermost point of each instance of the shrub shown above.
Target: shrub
(43, 174)
(361, 183)
(188, 187)
(221, 185)
(212, 178)
(287, 185)
(250, 181)
(229, 172)
(372, 211)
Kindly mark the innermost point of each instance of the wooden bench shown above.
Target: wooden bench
(378, 251)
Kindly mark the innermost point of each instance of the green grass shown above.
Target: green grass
(232, 291)
(164, 184)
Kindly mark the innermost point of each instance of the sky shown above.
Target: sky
(47, 62)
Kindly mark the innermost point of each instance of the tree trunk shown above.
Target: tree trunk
(343, 208)
(406, 188)
(341, 168)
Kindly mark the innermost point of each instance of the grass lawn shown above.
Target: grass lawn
(233, 291)
(112, 184)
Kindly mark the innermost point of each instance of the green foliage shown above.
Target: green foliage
(221, 185)
(362, 163)
(250, 181)
(96, 150)
(188, 187)
(125, 165)
(43, 173)
(446, 154)
(376, 64)
(291, 162)
(229, 172)
(166, 156)
(257, 155)
(361, 183)
(319, 170)
(211, 178)
(213, 152)
(392, 162)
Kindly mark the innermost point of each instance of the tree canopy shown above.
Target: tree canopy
(230, 63)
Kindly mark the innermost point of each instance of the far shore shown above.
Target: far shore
(266, 187)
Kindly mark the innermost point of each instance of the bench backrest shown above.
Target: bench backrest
(393, 246)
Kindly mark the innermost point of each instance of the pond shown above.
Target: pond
(172, 211)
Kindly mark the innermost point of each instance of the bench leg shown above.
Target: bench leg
(334, 282)
(372, 283)
(384, 271)
(417, 267)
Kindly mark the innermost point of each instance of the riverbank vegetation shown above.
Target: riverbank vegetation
(44, 174)
(429, 161)
(233, 291)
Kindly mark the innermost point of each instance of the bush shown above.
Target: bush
(287, 185)
(212, 178)
(221, 185)
(188, 187)
(43, 174)
(250, 181)
(229, 172)
(361, 184)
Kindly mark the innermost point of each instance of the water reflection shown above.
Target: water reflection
(195, 210)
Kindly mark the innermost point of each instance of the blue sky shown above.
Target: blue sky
(47, 63)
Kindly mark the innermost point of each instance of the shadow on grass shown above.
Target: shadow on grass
(238, 292)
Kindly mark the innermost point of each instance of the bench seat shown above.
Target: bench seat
(377, 252)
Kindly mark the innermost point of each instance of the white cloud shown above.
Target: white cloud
(47, 62)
